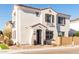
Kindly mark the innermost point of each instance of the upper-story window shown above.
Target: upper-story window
(61, 20)
(52, 18)
(48, 18)
(37, 13)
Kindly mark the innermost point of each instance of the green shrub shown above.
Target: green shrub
(76, 33)
(3, 46)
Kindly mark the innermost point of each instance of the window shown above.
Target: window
(48, 18)
(37, 13)
(52, 18)
(49, 35)
(61, 20)
(60, 33)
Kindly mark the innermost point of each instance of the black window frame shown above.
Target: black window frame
(49, 35)
(52, 18)
(48, 20)
(61, 20)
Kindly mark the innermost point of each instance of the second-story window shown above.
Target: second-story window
(61, 20)
(48, 18)
(52, 18)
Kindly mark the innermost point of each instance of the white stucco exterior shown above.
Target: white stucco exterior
(27, 24)
(74, 26)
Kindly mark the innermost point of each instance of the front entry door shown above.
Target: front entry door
(39, 36)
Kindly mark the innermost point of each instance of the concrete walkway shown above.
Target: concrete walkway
(53, 50)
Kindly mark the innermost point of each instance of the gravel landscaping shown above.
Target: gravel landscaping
(30, 47)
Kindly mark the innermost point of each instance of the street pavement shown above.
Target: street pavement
(53, 50)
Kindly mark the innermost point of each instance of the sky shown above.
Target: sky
(70, 9)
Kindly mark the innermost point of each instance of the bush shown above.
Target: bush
(76, 33)
(3, 46)
(8, 42)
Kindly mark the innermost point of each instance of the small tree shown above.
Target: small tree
(76, 33)
(8, 32)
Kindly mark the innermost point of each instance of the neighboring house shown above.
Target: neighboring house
(74, 26)
(38, 25)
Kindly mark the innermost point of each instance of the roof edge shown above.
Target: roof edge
(64, 14)
(41, 9)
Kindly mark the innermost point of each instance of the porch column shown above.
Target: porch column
(42, 37)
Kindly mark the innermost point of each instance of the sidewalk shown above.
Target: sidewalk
(46, 50)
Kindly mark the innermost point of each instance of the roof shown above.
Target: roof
(63, 14)
(40, 9)
(31, 7)
(38, 24)
(77, 19)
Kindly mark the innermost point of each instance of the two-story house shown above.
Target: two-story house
(38, 25)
